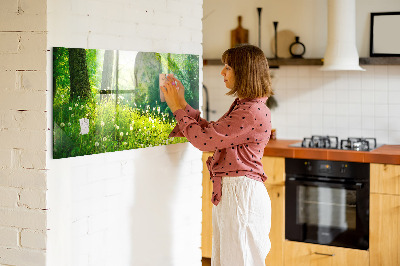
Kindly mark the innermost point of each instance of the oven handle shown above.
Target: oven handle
(324, 254)
(357, 185)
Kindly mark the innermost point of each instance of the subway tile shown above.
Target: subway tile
(367, 82)
(354, 80)
(342, 96)
(394, 110)
(394, 70)
(380, 84)
(303, 82)
(381, 97)
(367, 96)
(355, 122)
(382, 136)
(394, 137)
(394, 123)
(355, 109)
(292, 82)
(304, 72)
(394, 97)
(367, 122)
(367, 110)
(381, 123)
(291, 71)
(381, 110)
(342, 109)
(394, 83)
(355, 132)
(355, 96)
(329, 109)
(316, 83)
(342, 122)
(380, 71)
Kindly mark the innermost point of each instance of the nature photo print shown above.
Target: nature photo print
(110, 100)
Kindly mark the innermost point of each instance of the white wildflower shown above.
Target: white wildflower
(96, 144)
(62, 124)
(70, 108)
(131, 128)
(121, 134)
(104, 139)
(102, 123)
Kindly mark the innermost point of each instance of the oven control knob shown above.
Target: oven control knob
(308, 166)
(343, 168)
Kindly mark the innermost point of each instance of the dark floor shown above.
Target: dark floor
(206, 261)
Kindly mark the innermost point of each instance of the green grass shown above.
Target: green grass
(111, 127)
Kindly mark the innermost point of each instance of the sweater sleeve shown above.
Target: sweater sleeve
(193, 113)
(234, 129)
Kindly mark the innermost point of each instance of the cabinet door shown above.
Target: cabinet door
(274, 168)
(385, 178)
(304, 254)
(277, 233)
(384, 229)
(206, 232)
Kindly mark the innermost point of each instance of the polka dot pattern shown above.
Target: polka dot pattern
(238, 139)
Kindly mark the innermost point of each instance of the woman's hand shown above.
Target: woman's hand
(174, 94)
(181, 92)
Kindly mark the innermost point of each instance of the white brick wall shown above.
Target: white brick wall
(136, 207)
(23, 132)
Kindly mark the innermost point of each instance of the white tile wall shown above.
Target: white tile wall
(312, 102)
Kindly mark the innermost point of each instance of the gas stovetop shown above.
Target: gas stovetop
(332, 142)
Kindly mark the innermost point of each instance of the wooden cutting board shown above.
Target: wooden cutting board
(239, 35)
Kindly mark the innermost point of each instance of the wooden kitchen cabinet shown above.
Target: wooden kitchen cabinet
(385, 178)
(277, 233)
(206, 225)
(305, 254)
(384, 237)
(274, 168)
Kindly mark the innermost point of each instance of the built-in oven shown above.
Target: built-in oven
(327, 202)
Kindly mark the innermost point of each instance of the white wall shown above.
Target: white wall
(311, 102)
(305, 18)
(136, 207)
(23, 133)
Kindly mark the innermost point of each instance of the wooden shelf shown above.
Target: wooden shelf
(274, 63)
(380, 61)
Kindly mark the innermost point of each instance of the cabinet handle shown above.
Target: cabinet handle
(325, 254)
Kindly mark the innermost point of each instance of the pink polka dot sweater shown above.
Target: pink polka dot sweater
(238, 139)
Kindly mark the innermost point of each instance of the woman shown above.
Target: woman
(242, 208)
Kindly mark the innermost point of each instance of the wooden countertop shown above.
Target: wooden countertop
(389, 154)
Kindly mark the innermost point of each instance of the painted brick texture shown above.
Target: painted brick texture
(119, 208)
(23, 218)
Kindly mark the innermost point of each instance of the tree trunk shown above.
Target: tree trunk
(79, 77)
(108, 69)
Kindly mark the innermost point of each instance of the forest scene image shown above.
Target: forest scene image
(109, 100)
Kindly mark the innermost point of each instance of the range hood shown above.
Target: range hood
(341, 51)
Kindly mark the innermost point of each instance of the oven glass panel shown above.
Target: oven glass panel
(326, 207)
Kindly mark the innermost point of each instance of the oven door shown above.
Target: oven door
(327, 213)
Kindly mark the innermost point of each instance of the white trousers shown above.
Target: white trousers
(241, 223)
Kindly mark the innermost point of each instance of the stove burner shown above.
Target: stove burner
(332, 142)
(328, 142)
(358, 144)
